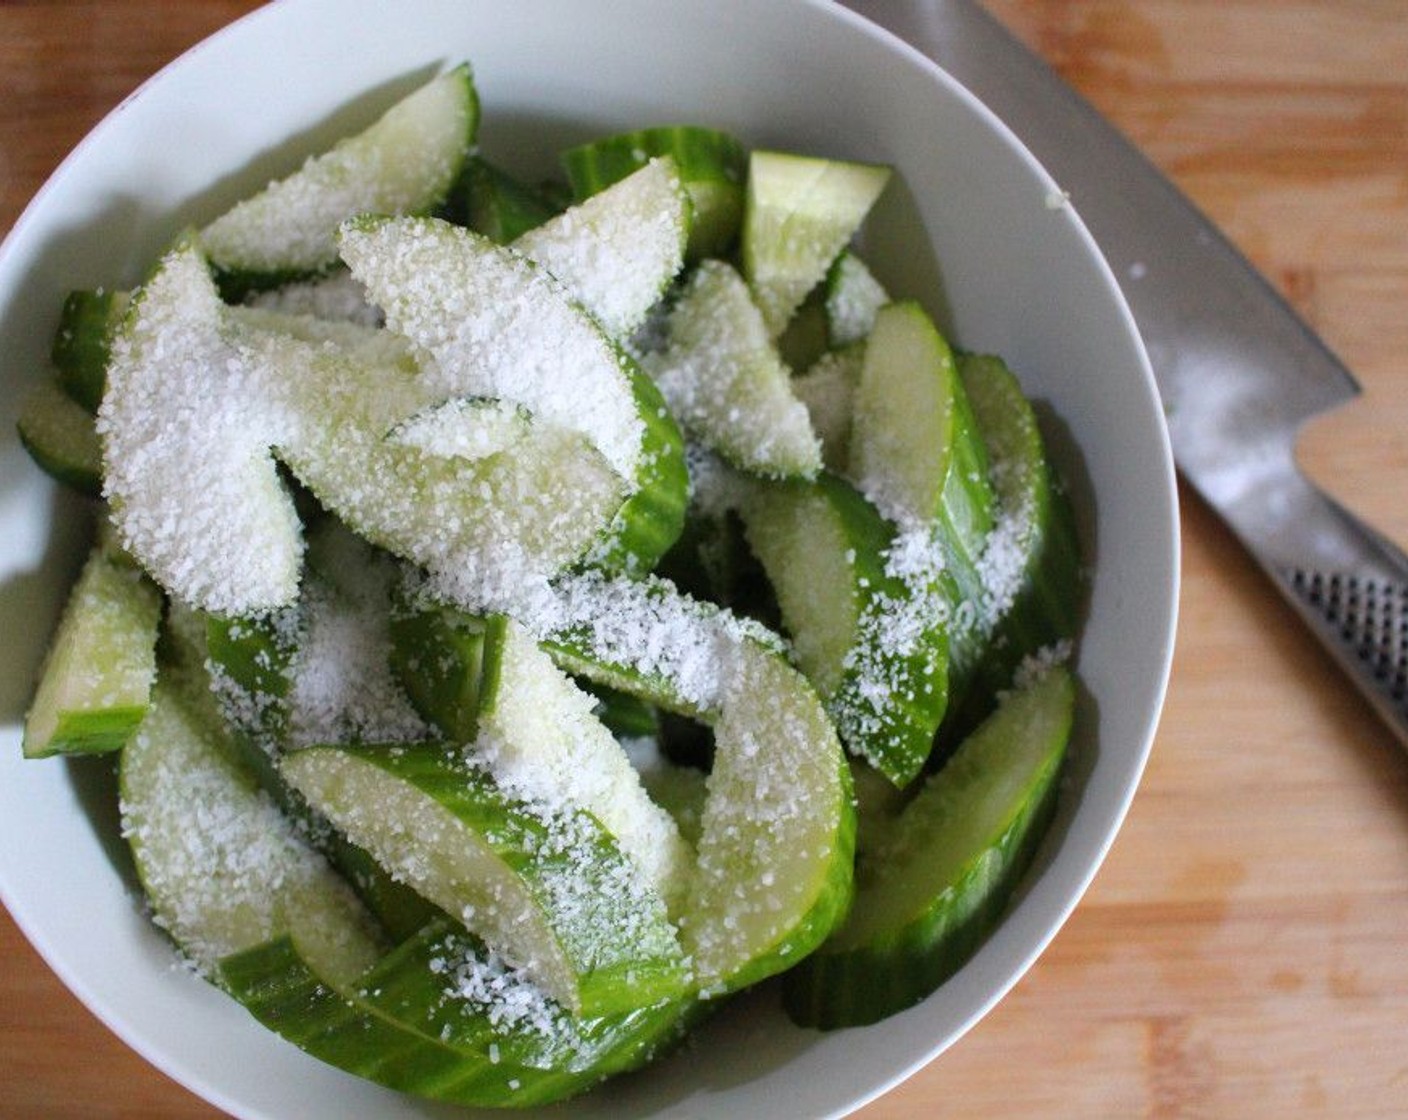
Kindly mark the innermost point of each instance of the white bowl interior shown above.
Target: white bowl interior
(973, 230)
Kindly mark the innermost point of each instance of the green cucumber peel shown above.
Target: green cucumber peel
(60, 437)
(938, 877)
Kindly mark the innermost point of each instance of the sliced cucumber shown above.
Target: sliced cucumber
(541, 741)
(617, 251)
(81, 346)
(221, 866)
(448, 661)
(186, 430)
(722, 377)
(96, 683)
(777, 838)
(442, 1019)
(853, 296)
(492, 324)
(914, 446)
(60, 437)
(405, 163)
(937, 883)
(800, 213)
(335, 297)
(1030, 567)
(873, 647)
(712, 165)
(490, 201)
(553, 894)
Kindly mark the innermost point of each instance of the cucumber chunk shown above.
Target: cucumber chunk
(205, 513)
(405, 163)
(943, 871)
(722, 377)
(223, 869)
(1032, 581)
(617, 251)
(441, 1018)
(777, 836)
(853, 297)
(801, 211)
(95, 687)
(827, 390)
(82, 343)
(712, 165)
(552, 893)
(875, 651)
(60, 437)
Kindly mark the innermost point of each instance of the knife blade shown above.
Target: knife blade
(1239, 372)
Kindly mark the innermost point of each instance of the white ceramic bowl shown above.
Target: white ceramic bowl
(969, 231)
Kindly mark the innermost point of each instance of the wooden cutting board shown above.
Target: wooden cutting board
(1244, 952)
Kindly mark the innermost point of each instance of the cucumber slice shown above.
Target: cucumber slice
(853, 297)
(800, 213)
(405, 163)
(876, 652)
(96, 683)
(617, 251)
(723, 379)
(1031, 562)
(777, 839)
(492, 324)
(553, 894)
(448, 661)
(335, 297)
(934, 887)
(490, 201)
(914, 446)
(221, 866)
(531, 510)
(82, 344)
(207, 515)
(442, 1019)
(60, 437)
(712, 165)
(540, 740)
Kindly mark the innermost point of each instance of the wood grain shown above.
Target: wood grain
(1240, 955)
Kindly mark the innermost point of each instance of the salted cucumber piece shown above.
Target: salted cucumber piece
(617, 251)
(722, 376)
(800, 213)
(871, 645)
(1031, 566)
(852, 297)
(941, 875)
(95, 687)
(827, 389)
(81, 344)
(404, 163)
(60, 437)
(712, 165)
(549, 890)
(209, 517)
(490, 201)
(223, 869)
(442, 1018)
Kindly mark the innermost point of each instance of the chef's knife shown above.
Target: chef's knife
(1238, 371)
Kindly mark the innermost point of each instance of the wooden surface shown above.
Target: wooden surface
(1244, 952)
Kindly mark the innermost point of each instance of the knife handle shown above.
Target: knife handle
(1350, 586)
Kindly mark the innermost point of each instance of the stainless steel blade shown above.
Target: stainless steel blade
(1238, 371)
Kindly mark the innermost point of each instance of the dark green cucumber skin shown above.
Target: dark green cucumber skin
(82, 343)
(254, 654)
(651, 520)
(1048, 604)
(703, 156)
(624, 715)
(862, 984)
(448, 662)
(93, 732)
(401, 1030)
(523, 842)
(490, 201)
(901, 743)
